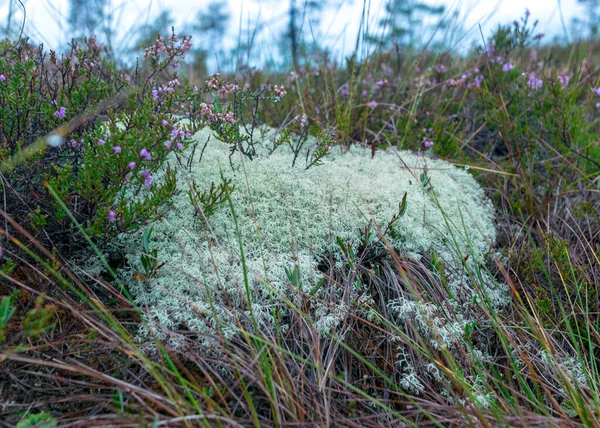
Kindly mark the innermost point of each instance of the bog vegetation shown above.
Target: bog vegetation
(172, 251)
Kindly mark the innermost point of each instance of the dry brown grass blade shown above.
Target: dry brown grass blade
(158, 400)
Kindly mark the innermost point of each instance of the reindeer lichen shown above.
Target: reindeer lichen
(287, 220)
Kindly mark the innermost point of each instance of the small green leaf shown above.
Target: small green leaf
(402, 208)
(6, 309)
(294, 276)
(38, 420)
(317, 287)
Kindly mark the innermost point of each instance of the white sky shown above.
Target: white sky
(46, 18)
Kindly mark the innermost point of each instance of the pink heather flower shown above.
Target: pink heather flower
(164, 123)
(179, 146)
(148, 179)
(131, 165)
(596, 91)
(533, 55)
(101, 142)
(564, 80)
(535, 83)
(168, 144)
(60, 113)
(229, 117)
(2, 78)
(426, 143)
(303, 120)
(507, 67)
(174, 133)
(345, 91)
(73, 143)
(117, 149)
(111, 215)
(279, 91)
(154, 94)
(145, 154)
(372, 104)
(478, 79)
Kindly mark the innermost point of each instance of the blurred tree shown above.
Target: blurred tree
(208, 32)
(296, 24)
(85, 16)
(148, 33)
(91, 18)
(592, 21)
(15, 21)
(304, 16)
(406, 21)
(100, 19)
(10, 19)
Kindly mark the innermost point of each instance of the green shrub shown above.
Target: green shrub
(83, 140)
(59, 121)
(38, 420)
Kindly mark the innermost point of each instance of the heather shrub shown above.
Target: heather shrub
(79, 135)
(59, 121)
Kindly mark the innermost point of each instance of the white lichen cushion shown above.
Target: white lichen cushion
(293, 216)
